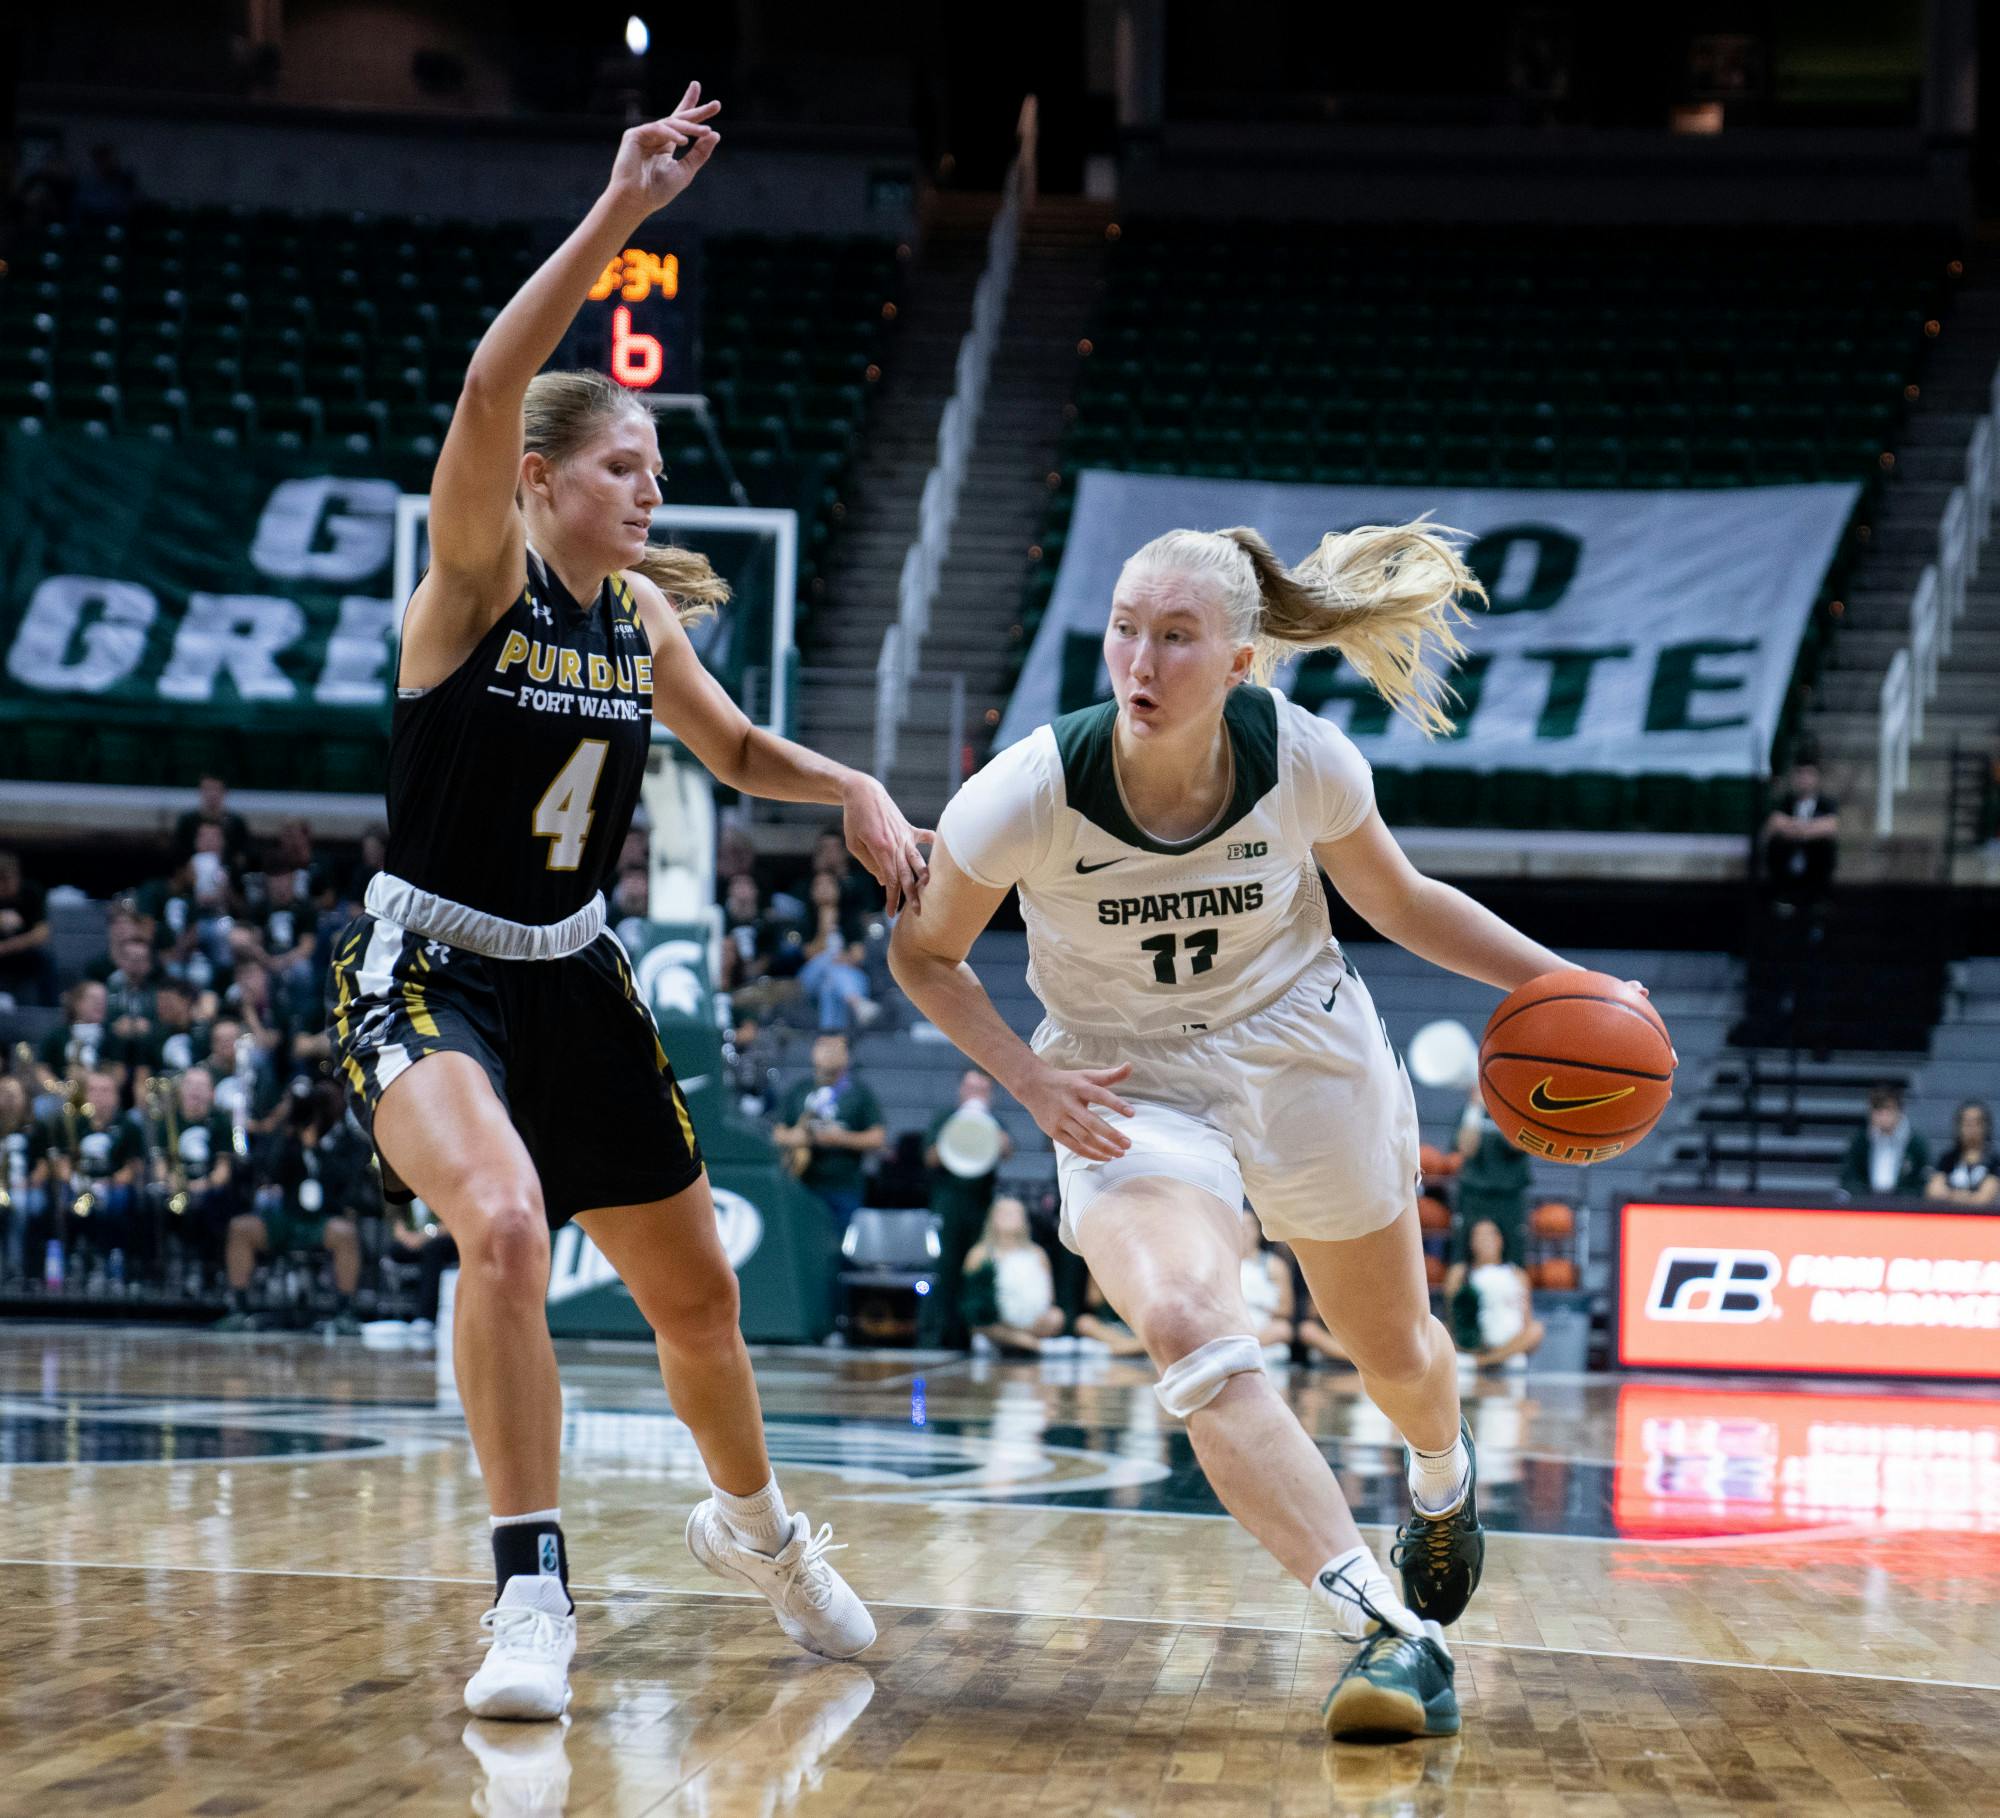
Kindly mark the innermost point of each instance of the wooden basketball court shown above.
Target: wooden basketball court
(245, 1575)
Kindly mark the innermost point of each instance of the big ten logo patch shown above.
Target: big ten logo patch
(1250, 849)
(1727, 1286)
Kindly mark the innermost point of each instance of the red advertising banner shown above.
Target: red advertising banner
(1701, 1461)
(1809, 1288)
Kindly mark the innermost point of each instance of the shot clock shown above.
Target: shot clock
(638, 323)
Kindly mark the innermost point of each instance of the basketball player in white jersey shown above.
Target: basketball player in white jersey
(1205, 1037)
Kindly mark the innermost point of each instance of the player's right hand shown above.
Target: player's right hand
(647, 175)
(1060, 1103)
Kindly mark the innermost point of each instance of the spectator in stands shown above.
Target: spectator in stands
(1968, 1170)
(122, 921)
(1493, 1179)
(91, 1156)
(246, 1087)
(1885, 1156)
(305, 1206)
(1009, 1294)
(192, 1146)
(81, 1040)
(175, 1041)
(1491, 1314)
(836, 986)
(213, 810)
(746, 960)
(253, 1000)
(1316, 1337)
(830, 1123)
(735, 856)
(289, 929)
(631, 899)
(1801, 837)
(17, 1145)
(858, 898)
(27, 968)
(960, 1204)
(129, 995)
(374, 857)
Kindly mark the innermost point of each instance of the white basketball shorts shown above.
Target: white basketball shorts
(1303, 1107)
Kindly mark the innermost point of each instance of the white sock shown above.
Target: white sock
(1438, 1479)
(1358, 1592)
(761, 1521)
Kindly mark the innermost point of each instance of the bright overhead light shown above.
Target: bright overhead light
(637, 37)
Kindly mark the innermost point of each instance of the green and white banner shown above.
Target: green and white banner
(143, 583)
(1632, 632)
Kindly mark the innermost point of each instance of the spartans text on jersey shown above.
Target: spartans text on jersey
(1180, 905)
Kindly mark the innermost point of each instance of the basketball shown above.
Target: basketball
(1553, 1218)
(1576, 1067)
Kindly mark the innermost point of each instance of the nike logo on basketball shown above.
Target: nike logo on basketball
(1083, 870)
(1541, 1100)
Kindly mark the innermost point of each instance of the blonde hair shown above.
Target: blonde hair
(562, 412)
(1384, 596)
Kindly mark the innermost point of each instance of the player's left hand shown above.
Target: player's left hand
(885, 843)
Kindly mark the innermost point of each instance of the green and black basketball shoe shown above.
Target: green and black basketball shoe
(1441, 1556)
(1396, 1687)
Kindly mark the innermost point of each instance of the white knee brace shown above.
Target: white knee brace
(1197, 1379)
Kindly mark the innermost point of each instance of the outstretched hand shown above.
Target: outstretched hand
(885, 843)
(647, 173)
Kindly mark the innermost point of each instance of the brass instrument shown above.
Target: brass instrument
(166, 1111)
(76, 1111)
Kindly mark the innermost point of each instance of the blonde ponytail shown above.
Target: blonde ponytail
(1384, 596)
(693, 589)
(560, 413)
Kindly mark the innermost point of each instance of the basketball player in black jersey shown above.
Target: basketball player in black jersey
(486, 1020)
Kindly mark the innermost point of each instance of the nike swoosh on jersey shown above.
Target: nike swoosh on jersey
(1083, 870)
(1540, 1100)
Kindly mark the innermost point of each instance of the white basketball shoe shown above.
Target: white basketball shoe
(531, 1636)
(815, 1605)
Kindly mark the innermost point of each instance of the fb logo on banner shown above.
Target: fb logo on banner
(1731, 1286)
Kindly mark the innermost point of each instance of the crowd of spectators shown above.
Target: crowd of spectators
(179, 1121)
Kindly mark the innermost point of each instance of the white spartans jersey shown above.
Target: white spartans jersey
(1129, 935)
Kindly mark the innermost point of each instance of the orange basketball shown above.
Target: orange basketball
(1576, 1067)
(1433, 1214)
(1552, 1219)
(1434, 1270)
(1558, 1272)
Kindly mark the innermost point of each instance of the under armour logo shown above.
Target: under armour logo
(536, 610)
(437, 952)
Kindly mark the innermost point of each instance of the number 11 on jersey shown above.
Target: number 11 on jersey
(1201, 949)
(562, 816)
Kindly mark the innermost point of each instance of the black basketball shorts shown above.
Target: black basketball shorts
(568, 1044)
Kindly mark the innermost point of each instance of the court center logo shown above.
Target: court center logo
(1729, 1287)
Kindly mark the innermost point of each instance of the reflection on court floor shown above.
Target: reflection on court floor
(1700, 1597)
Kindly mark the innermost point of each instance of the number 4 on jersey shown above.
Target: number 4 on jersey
(563, 814)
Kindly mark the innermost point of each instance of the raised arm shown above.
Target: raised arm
(1433, 920)
(928, 960)
(476, 534)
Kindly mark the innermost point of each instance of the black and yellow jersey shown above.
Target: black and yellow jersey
(513, 781)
